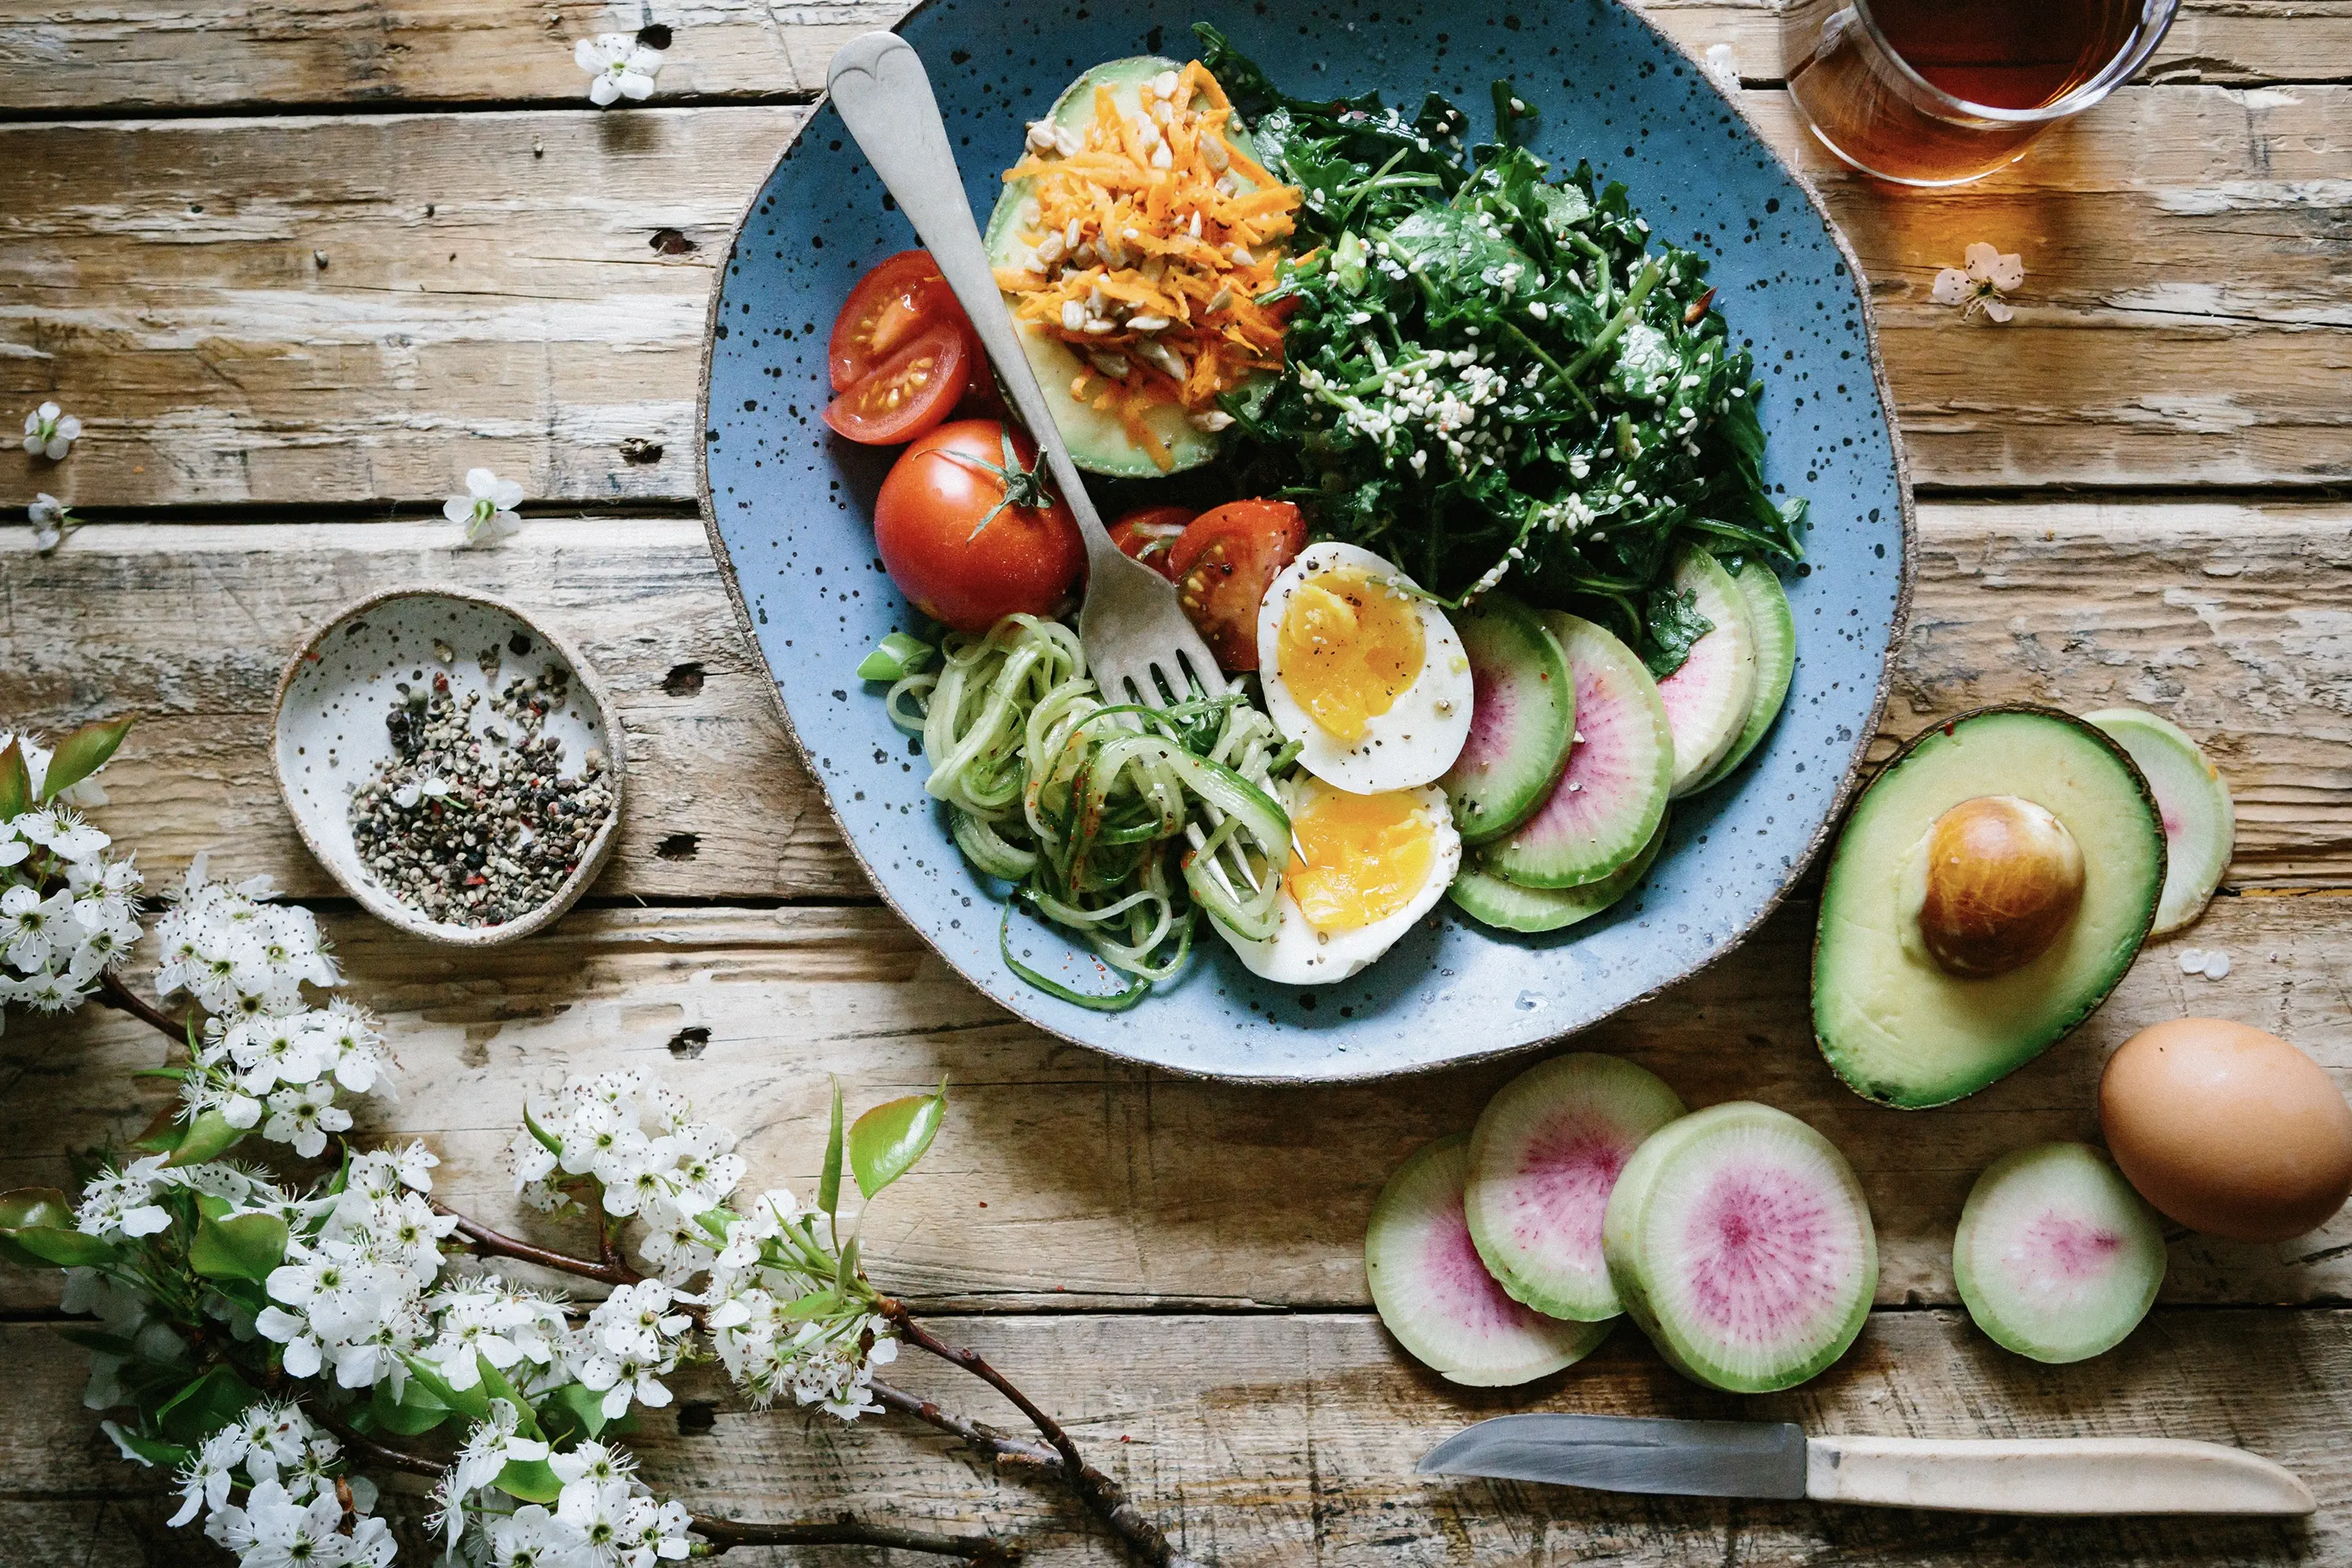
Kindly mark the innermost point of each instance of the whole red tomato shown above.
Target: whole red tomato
(956, 544)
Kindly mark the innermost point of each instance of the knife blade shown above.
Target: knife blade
(2078, 1475)
(1630, 1453)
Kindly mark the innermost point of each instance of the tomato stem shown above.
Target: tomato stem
(1023, 487)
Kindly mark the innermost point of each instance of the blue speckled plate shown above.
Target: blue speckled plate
(790, 509)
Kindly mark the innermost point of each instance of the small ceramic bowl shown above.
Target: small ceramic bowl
(330, 734)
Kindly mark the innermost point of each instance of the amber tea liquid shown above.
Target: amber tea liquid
(1998, 55)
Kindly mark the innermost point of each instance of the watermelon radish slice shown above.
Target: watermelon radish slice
(1708, 698)
(1522, 716)
(1776, 662)
(1613, 795)
(2201, 823)
(1738, 1239)
(1545, 1153)
(2056, 1256)
(1435, 1296)
(1497, 901)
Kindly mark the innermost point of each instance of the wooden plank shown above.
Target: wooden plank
(2212, 613)
(1265, 1441)
(87, 56)
(493, 294)
(1066, 1177)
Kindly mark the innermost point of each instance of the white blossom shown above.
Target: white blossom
(1989, 275)
(487, 510)
(50, 432)
(618, 67)
(50, 519)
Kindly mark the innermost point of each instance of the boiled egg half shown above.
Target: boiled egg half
(1369, 678)
(1362, 869)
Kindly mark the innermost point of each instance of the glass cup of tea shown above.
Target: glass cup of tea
(1940, 92)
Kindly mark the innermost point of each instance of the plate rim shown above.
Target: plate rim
(1898, 623)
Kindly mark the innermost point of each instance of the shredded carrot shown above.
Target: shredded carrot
(1187, 248)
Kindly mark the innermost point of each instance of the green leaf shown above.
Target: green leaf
(895, 657)
(246, 1247)
(164, 1456)
(471, 1401)
(828, 1186)
(64, 1247)
(96, 1339)
(163, 1135)
(205, 1405)
(495, 1385)
(885, 1142)
(15, 784)
(574, 1410)
(845, 1267)
(815, 1304)
(416, 1410)
(208, 1137)
(82, 753)
(35, 1206)
(547, 1141)
(714, 1222)
(532, 1481)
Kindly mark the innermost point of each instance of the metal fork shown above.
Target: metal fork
(1138, 639)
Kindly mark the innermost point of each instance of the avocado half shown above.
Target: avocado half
(1099, 443)
(1892, 1023)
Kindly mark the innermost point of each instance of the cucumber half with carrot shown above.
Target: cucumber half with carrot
(1118, 299)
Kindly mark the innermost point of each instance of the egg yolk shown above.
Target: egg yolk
(1348, 649)
(1356, 859)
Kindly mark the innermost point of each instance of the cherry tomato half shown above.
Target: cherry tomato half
(944, 550)
(907, 394)
(891, 304)
(1149, 532)
(1223, 564)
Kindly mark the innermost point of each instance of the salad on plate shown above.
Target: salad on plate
(1492, 560)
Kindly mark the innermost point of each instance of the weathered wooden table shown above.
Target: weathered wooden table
(298, 264)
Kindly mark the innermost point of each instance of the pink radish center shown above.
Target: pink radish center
(1490, 718)
(1563, 1187)
(1465, 1291)
(1692, 685)
(1764, 1255)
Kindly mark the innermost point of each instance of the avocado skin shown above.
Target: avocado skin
(1852, 1059)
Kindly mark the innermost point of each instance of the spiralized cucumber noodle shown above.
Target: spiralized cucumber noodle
(1120, 823)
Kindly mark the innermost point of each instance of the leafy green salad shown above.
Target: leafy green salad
(1493, 378)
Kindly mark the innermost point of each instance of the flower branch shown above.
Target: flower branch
(263, 1339)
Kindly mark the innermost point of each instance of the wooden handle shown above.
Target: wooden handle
(2051, 1476)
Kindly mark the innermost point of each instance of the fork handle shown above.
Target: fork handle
(883, 94)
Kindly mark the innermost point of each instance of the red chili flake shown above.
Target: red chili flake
(476, 879)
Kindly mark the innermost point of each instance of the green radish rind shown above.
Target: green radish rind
(1574, 838)
(1543, 1156)
(1708, 699)
(1434, 1295)
(2200, 820)
(1523, 682)
(1099, 443)
(2056, 1256)
(1638, 1237)
(1775, 663)
(1898, 1029)
(1500, 902)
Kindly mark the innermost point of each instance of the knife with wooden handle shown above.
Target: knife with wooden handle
(2094, 1476)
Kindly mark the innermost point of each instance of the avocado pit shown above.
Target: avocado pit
(2004, 878)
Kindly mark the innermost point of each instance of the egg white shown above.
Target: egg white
(1298, 955)
(1422, 731)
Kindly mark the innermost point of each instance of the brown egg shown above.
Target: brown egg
(2227, 1129)
(2004, 877)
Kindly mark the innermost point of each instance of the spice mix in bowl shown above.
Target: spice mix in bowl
(452, 764)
